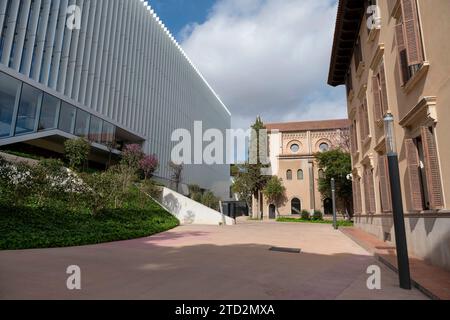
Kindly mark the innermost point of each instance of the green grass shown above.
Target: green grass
(340, 223)
(30, 227)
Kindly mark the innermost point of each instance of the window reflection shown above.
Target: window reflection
(108, 134)
(95, 130)
(66, 118)
(82, 124)
(26, 115)
(9, 88)
(49, 111)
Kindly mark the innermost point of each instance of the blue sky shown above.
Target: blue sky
(176, 14)
(267, 58)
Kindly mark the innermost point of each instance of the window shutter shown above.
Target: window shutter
(402, 56)
(432, 169)
(384, 97)
(376, 98)
(366, 119)
(413, 173)
(412, 32)
(370, 191)
(385, 186)
(357, 196)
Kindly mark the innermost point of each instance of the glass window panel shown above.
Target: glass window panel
(26, 115)
(95, 129)
(9, 88)
(49, 112)
(108, 134)
(82, 124)
(66, 117)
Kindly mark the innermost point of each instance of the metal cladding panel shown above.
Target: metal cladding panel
(122, 63)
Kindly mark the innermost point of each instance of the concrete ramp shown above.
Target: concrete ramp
(191, 212)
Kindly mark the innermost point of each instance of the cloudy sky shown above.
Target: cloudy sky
(262, 57)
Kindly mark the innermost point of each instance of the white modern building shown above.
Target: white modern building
(107, 70)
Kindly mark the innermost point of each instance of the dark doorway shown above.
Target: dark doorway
(296, 206)
(272, 213)
(328, 206)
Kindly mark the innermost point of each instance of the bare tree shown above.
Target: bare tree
(341, 140)
(177, 172)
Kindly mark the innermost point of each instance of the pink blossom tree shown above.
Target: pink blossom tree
(149, 164)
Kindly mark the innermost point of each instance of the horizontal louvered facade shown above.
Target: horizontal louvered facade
(121, 66)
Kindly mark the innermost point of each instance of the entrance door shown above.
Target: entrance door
(296, 206)
(328, 206)
(272, 213)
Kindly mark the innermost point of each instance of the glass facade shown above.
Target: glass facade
(95, 129)
(82, 124)
(25, 109)
(30, 100)
(67, 118)
(49, 112)
(9, 90)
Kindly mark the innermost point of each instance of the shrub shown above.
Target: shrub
(210, 200)
(103, 191)
(318, 215)
(76, 152)
(148, 165)
(152, 189)
(132, 156)
(305, 215)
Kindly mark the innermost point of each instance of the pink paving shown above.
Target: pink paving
(205, 262)
(434, 281)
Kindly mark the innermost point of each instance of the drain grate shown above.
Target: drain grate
(286, 250)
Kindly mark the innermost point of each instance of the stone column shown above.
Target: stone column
(312, 198)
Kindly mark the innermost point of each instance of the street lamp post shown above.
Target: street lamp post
(333, 195)
(397, 204)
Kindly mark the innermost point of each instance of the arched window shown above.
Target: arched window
(289, 175)
(321, 174)
(324, 147)
(300, 175)
(296, 206)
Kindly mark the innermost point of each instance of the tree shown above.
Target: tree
(132, 156)
(336, 164)
(341, 140)
(210, 200)
(275, 192)
(77, 152)
(177, 172)
(149, 164)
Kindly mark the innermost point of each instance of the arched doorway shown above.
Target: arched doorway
(272, 212)
(328, 206)
(296, 206)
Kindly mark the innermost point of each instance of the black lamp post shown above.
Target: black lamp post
(397, 204)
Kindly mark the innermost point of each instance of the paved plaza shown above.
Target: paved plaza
(205, 262)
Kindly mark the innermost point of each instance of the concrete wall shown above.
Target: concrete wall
(428, 237)
(190, 212)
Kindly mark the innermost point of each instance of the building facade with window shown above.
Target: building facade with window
(291, 152)
(120, 78)
(400, 65)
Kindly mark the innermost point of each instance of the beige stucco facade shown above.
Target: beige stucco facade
(418, 96)
(292, 149)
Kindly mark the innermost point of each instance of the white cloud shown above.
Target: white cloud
(268, 58)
